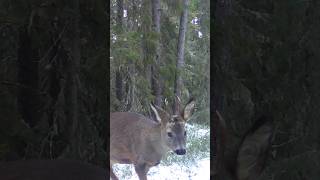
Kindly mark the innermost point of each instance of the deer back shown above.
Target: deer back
(133, 135)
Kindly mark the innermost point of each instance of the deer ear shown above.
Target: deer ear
(188, 109)
(253, 151)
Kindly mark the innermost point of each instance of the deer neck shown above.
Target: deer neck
(158, 141)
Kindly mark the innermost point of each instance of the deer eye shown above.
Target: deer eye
(169, 134)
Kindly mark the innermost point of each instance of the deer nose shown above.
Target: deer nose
(180, 151)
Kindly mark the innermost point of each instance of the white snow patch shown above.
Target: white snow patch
(200, 132)
(200, 170)
(195, 21)
(125, 13)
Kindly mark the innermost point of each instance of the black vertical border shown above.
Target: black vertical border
(212, 72)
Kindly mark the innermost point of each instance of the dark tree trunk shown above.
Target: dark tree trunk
(157, 84)
(146, 29)
(119, 85)
(28, 78)
(72, 78)
(120, 14)
(180, 60)
(118, 79)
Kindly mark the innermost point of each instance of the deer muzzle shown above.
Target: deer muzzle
(180, 151)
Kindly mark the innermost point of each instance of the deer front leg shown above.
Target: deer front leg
(142, 170)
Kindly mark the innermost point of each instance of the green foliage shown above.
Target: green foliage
(173, 7)
(48, 24)
(273, 49)
(135, 47)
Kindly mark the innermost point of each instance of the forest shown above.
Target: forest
(144, 53)
(53, 80)
(66, 64)
(265, 61)
(252, 68)
(160, 50)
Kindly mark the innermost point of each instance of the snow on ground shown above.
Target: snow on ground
(199, 171)
(199, 131)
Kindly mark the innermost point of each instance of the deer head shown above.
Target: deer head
(173, 132)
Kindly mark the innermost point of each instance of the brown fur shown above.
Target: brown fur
(142, 141)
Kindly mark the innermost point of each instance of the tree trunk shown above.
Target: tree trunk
(157, 84)
(120, 14)
(71, 85)
(118, 79)
(28, 78)
(180, 60)
(146, 29)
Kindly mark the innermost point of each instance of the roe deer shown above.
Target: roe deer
(244, 160)
(141, 141)
(50, 170)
